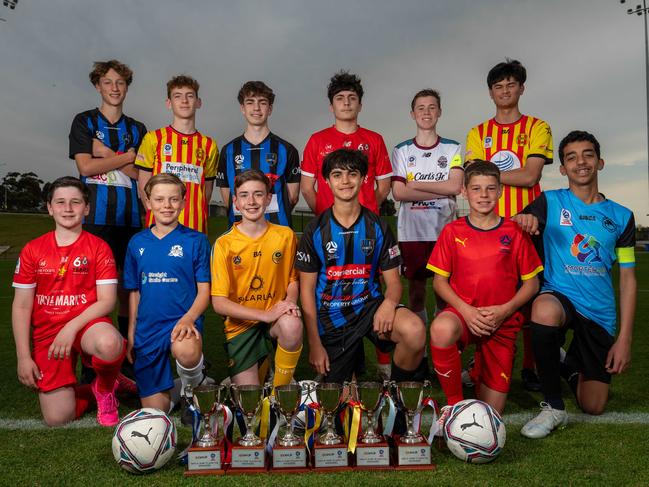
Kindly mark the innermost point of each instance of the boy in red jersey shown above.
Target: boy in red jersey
(66, 285)
(520, 145)
(345, 94)
(181, 150)
(478, 262)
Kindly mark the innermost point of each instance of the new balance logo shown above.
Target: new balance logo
(444, 374)
(461, 241)
(140, 435)
(468, 425)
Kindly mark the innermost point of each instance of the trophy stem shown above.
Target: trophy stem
(249, 439)
(207, 440)
(370, 435)
(411, 435)
(330, 437)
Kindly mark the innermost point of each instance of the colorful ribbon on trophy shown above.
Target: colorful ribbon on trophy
(388, 427)
(196, 426)
(312, 422)
(264, 418)
(351, 423)
(416, 422)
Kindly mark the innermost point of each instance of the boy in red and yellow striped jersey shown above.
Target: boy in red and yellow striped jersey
(520, 145)
(182, 150)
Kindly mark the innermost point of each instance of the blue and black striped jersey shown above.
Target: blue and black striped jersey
(348, 262)
(276, 158)
(113, 195)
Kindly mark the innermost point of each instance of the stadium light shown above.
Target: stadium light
(642, 10)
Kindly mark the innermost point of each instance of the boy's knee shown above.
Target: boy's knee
(57, 419)
(109, 345)
(187, 352)
(289, 330)
(443, 332)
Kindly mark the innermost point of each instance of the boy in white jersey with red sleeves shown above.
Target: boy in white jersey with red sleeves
(66, 286)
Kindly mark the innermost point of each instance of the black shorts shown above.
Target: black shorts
(345, 346)
(590, 343)
(116, 237)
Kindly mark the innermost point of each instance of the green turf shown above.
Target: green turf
(596, 454)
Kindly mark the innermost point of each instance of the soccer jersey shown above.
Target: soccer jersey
(484, 267)
(274, 157)
(65, 279)
(191, 157)
(253, 272)
(165, 272)
(581, 242)
(348, 262)
(422, 221)
(508, 146)
(328, 140)
(113, 195)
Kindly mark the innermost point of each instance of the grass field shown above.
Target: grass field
(608, 450)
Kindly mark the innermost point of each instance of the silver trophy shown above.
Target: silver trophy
(247, 398)
(411, 395)
(370, 395)
(329, 395)
(288, 398)
(205, 399)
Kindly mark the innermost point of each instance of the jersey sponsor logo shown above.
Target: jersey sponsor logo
(363, 147)
(330, 301)
(588, 218)
(80, 265)
(110, 178)
(425, 205)
(609, 224)
(488, 141)
(367, 246)
(349, 271)
(61, 299)
(277, 256)
(271, 159)
(565, 219)
(256, 297)
(176, 251)
(160, 277)
(99, 134)
(394, 251)
(461, 241)
(303, 256)
(256, 283)
(141, 250)
(586, 248)
(428, 176)
(296, 170)
(506, 160)
(188, 173)
(167, 149)
(442, 162)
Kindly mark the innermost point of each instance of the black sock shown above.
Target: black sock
(546, 342)
(122, 323)
(420, 374)
(570, 374)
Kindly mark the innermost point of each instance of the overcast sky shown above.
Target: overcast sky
(584, 60)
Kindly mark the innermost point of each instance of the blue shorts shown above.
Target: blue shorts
(152, 368)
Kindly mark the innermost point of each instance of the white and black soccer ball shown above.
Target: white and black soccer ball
(474, 431)
(144, 441)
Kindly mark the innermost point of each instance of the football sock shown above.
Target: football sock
(190, 376)
(546, 342)
(397, 374)
(107, 372)
(448, 368)
(528, 357)
(285, 363)
(83, 397)
(262, 370)
(122, 322)
(383, 358)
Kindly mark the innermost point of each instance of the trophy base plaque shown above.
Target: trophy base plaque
(205, 460)
(413, 456)
(329, 458)
(374, 456)
(248, 459)
(289, 459)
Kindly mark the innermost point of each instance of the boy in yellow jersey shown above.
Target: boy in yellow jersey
(520, 145)
(181, 150)
(255, 286)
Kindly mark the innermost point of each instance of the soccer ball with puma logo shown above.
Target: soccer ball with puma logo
(474, 431)
(144, 441)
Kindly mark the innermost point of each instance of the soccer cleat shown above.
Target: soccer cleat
(106, 406)
(384, 371)
(444, 413)
(546, 421)
(126, 385)
(530, 380)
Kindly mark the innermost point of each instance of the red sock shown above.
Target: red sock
(383, 357)
(528, 356)
(107, 372)
(448, 368)
(83, 397)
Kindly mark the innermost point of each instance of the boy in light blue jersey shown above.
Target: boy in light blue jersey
(167, 269)
(582, 235)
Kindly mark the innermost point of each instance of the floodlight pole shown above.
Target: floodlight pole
(642, 10)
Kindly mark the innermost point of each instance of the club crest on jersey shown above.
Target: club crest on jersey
(99, 134)
(347, 144)
(442, 162)
(277, 256)
(176, 251)
(609, 224)
(566, 218)
(200, 154)
(238, 161)
(487, 142)
(521, 139)
(167, 149)
(271, 159)
(127, 139)
(367, 246)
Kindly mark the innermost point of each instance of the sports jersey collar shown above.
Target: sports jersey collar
(235, 228)
(56, 245)
(468, 222)
(333, 217)
(99, 114)
(575, 198)
(508, 124)
(423, 147)
(243, 137)
(182, 134)
(358, 128)
(155, 237)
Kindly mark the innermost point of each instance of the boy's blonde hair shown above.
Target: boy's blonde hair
(164, 178)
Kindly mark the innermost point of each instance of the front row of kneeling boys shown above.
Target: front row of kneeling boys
(486, 270)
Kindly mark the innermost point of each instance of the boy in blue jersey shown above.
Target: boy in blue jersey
(167, 270)
(583, 234)
(341, 254)
(259, 148)
(103, 143)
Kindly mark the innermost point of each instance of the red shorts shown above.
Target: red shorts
(57, 373)
(494, 354)
(415, 257)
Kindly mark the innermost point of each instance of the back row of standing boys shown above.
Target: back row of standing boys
(486, 268)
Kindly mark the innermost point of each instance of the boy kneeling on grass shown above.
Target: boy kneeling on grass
(485, 269)
(66, 286)
(167, 270)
